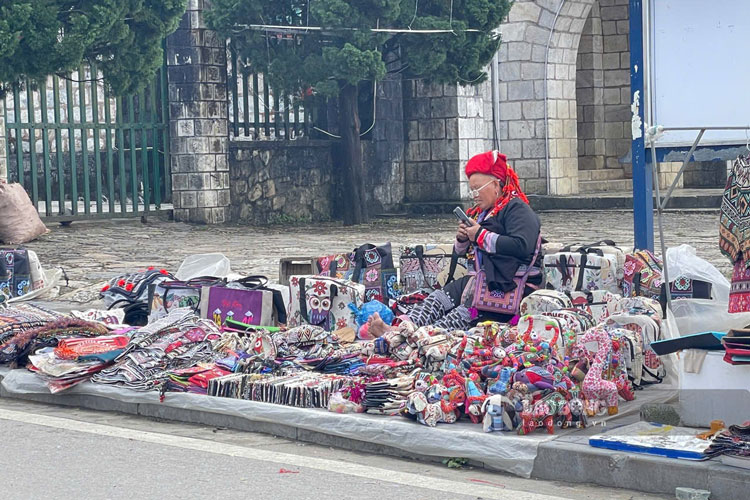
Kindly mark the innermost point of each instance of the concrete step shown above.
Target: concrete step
(682, 199)
(601, 175)
(598, 186)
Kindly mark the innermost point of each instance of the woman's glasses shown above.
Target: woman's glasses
(475, 192)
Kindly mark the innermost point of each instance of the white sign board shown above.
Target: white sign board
(698, 58)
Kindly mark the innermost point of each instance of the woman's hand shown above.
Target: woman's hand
(469, 232)
(472, 232)
(461, 235)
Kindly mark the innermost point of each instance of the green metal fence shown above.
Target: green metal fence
(81, 153)
(257, 111)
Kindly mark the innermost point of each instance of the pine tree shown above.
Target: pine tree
(124, 37)
(332, 61)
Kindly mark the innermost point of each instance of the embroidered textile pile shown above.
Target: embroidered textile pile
(575, 352)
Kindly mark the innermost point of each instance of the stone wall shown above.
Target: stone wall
(430, 112)
(603, 87)
(706, 174)
(475, 129)
(445, 126)
(275, 181)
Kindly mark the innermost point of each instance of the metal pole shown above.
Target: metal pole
(661, 225)
(663, 204)
(495, 102)
(643, 201)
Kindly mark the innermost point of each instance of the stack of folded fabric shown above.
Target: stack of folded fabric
(388, 397)
(194, 379)
(16, 349)
(300, 389)
(179, 340)
(22, 317)
(734, 441)
(74, 360)
(737, 346)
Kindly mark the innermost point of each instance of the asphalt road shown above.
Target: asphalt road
(51, 452)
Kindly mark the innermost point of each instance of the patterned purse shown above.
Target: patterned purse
(374, 268)
(15, 272)
(425, 267)
(642, 275)
(497, 301)
(340, 265)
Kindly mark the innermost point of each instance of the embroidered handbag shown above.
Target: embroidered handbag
(259, 282)
(497, 301)
(642, 275)
(168, 295)
(373, 267)
(339, 266)
(582, 270)
(425, 267)
(543, 301)
(15, 272)
(602, 247)
(598, 303)
(251, 307)
(324, 302)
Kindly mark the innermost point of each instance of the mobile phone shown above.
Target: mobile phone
(462, 217)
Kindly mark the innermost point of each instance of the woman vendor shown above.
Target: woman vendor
(503, 236)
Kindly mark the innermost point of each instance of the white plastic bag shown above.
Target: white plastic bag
(704, 315)
(683, 261)
(205, 264)
(49, 290)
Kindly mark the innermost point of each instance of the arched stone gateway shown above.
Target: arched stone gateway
(538, 110)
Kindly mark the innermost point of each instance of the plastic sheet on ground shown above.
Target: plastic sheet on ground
(502, 451)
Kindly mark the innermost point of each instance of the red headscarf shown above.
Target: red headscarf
(494, 163)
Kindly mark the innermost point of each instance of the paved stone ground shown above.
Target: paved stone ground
(93, 252)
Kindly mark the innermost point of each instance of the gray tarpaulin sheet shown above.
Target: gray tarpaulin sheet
(502, 451)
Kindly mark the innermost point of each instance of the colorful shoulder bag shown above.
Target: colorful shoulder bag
(497, 301)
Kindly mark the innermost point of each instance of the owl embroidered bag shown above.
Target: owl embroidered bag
(324, 302)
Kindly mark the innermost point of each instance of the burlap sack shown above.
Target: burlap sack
(19, 220)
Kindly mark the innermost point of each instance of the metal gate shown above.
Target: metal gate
(81, 153)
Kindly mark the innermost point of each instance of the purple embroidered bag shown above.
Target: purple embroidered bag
(497, 301)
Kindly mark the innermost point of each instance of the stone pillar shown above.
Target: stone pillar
(3, 159)
(199, 138)
(524, 90)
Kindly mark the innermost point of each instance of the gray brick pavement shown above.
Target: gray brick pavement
(93, 252)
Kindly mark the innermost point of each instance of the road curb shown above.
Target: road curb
(567, 458)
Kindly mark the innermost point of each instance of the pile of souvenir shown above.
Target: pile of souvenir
(179, 340)
(575, 352)
(76, 359)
